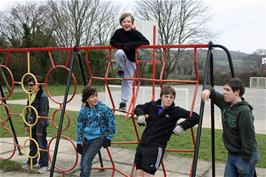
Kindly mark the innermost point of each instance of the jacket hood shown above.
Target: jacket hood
(243, 102)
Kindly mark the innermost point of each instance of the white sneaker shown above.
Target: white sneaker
(43, 170)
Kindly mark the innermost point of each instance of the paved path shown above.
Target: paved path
(123, 158)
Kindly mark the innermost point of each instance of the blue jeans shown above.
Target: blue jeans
(124, 64)
(89, 150)
(42, 141)
(33, 148)
(236, 166)
(39, 133)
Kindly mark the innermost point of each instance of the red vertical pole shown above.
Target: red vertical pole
(153, 63)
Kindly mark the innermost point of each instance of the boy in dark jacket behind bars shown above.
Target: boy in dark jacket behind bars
(161, 117)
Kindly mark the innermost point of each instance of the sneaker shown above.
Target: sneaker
(27, 166)
(43, 170)
(122, 106)
(120, 73)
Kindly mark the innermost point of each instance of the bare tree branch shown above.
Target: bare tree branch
(179, 22)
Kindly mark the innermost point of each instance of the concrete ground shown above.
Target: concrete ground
(123, 159)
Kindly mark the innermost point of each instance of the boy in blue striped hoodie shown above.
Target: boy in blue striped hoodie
(95, 128)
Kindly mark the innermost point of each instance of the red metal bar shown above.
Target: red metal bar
(14, 144)
(137, 79)
(153, 64)
(164, 170)
(102, 48)
(7, 58)
(168, 46)
(54, 49)
(51, 58)
(76, 154)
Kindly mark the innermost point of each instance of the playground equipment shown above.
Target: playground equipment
(73, 55)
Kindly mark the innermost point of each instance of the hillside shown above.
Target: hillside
(242, 62)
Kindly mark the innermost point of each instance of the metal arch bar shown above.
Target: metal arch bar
(10, 121)
(212, 102)
(202, 104)
(75, 52)
(212, 118)
(209, 65)
(228, 56)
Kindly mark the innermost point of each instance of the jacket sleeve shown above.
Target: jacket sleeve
(247, 134)
(140, 40)
(44, 106)
(216, 97)
(111, 123)
(80, 125)
(189, 121)
(44, 110)
(142, 109)
(116, 42)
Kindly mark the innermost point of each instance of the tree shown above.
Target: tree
(81, 22)
(25, 26)
(179, 22)
(105, 23)
(3, 42)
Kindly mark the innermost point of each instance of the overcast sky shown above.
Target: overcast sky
(241, 23)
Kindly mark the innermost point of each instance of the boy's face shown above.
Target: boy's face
(167, 100)
(32, 87)
(127, 23)
(229, 95)
(92, 100)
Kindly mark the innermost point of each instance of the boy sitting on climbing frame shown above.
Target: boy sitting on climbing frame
(160, 118)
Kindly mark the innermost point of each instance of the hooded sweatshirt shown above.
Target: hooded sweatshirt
(238, 126)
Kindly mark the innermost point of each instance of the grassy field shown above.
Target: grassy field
(125, 132)
(54, 90)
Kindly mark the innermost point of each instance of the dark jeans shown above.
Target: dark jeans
(236, 166)
(89, 150)
(39, 135)
(33, 148)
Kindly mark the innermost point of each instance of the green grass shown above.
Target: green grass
(54, 90)
(125, 132)
(10, 165)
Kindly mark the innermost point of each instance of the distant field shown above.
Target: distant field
(54, 90)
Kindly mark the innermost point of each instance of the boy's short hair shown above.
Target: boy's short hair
(87, 92)
(38, 79)
(236, 84)
(31, 79)
(125, 15)
(166, 90)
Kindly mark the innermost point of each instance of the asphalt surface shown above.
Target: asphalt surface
(122, 158)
